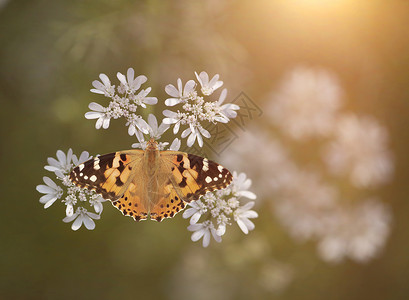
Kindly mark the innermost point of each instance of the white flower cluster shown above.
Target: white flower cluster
(359, 150)
(124, 101)
(73, 196)
(358, 232)
(219, 209)
(306, 103)
(195, 109)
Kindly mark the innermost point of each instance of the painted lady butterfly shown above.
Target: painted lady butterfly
(142, 183)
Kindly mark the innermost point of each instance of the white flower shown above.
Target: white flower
(104, 87)
(179, 94)
(195, 133)
(360, 150)
(70, 201)
(173, 118)
(82, 216)
(142, 99)
(306, 103)
(204, 230)
(175, 146)
(240, 186)
(84, 156)
(208, 87)
(136, 123)
(61, 166)
(130, 83)
(98, 112)
(226, 111)
(51, 190)
(196, 209)
(242, 216)
(96, 201)
(156, 132)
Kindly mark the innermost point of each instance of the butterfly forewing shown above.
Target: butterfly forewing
(109, 174)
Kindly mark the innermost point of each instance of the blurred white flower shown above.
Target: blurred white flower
(276, 276)
(306, 103)
(266, 167)
(208, 87)
(360, 151)
(51, 190)
(358, 232)
(82, 216)
(303, 203)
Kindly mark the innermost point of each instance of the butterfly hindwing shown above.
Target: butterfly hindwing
(132, 203)
(169, 204)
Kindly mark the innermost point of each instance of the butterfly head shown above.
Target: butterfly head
(152, 145)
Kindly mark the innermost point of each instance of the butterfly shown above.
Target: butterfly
(150, 183)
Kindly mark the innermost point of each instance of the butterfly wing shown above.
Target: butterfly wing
(113, 176)
(183, 178)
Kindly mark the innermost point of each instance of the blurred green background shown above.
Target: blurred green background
(52, 50)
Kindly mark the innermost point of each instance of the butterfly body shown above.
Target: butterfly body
(150, 183)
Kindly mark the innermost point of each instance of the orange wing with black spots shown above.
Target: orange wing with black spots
(190, 177)
(113, 176)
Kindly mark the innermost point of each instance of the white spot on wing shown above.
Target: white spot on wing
(215, 179)
(93, 178)
(220, 168)
(85, 177)
(205, 165)
(208, 179)
(96, 164)
(80, 167)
